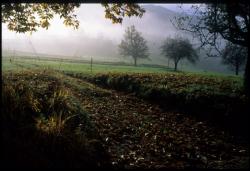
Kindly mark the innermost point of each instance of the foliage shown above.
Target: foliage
(133, 45)
(234, 56)
(178, 49)
(116, 12)
(28, 17)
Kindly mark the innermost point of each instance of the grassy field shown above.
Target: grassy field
(60, 114)
(97, 67)
(76, 66)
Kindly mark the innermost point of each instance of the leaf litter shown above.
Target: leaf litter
(138, 134)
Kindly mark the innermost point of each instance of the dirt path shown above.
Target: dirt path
(139, 134)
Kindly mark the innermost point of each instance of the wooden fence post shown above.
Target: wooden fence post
(91, 64)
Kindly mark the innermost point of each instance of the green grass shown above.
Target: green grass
(98, 67)
(76, 66)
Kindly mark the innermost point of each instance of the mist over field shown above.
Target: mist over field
(98, 38)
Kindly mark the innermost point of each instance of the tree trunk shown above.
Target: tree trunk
(135, 59)
(246, 77)
(175, 66)
(237, 70)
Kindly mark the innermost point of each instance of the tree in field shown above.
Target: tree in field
(234, 56)
(227, 21)
(133, 45)
(28, 17)
(177, 49)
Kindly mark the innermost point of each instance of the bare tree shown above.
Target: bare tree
(133, 45)
(234, 56)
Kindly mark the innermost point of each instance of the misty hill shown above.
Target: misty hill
(155, 23)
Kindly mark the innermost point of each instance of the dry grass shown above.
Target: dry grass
(44, 125)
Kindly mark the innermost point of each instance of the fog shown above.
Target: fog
(94, 30)
(97, 37)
